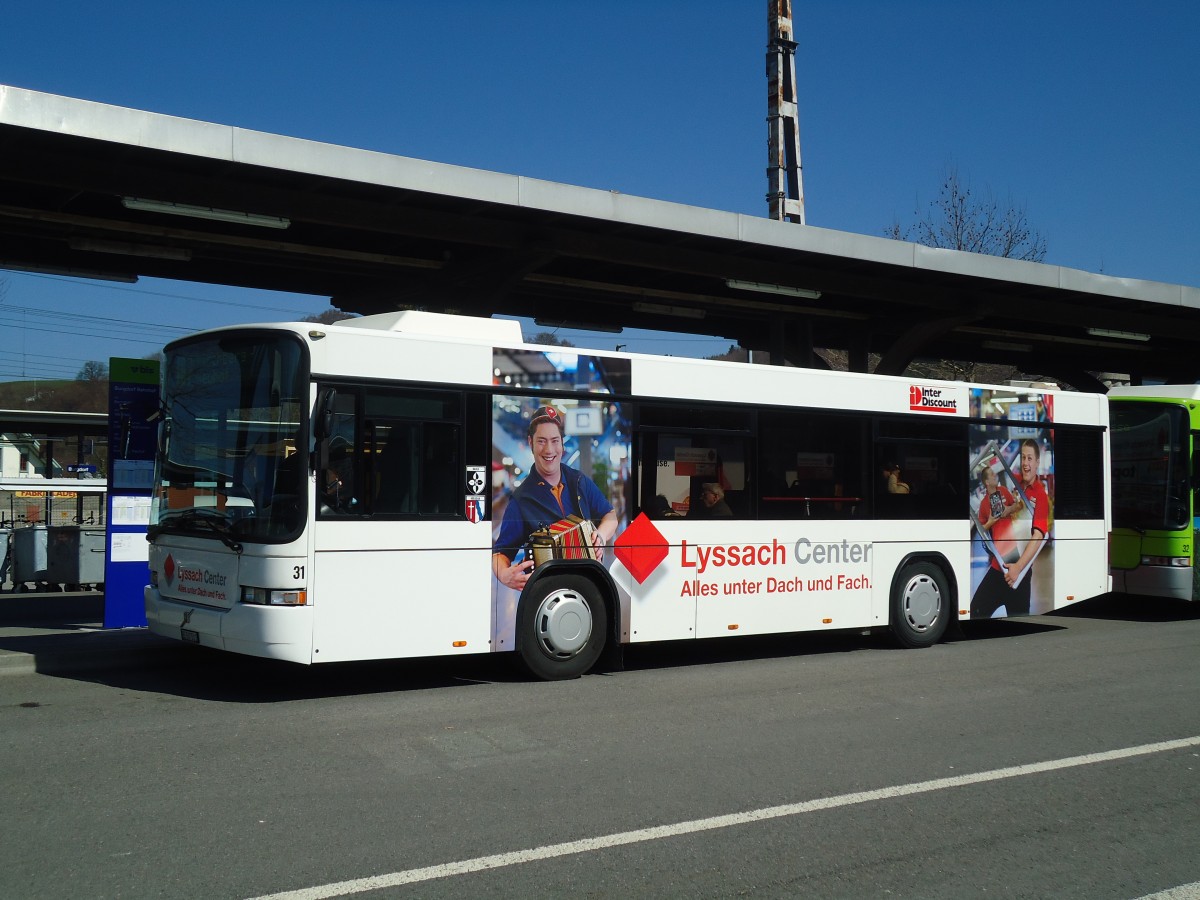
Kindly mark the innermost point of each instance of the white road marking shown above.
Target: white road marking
(641, 835)
(1183, 892)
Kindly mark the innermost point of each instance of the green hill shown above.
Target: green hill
(56, 396)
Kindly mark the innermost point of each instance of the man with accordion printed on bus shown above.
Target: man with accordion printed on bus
(551, 494)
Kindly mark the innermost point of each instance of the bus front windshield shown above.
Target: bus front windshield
(1150, 466)
(232, 460)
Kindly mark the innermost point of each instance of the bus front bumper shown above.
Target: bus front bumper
(1155, 581)
(272, 632)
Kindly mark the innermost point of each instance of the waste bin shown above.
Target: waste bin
(5, 559)
(75, 556)
(29, 555)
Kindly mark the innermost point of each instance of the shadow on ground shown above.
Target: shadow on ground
(1131, 608)
(69, 649)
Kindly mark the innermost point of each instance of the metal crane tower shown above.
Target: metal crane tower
(786, 196)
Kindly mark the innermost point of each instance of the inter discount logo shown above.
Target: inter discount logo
(931, 399)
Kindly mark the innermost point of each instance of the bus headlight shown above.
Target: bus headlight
(267, 597)
(1179, 562)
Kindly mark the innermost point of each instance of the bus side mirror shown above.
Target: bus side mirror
(323, 426)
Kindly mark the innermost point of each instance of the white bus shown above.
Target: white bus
(413, 485)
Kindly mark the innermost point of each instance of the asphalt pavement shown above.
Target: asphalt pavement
(63, 632)
(59, 633)
(1054, 756)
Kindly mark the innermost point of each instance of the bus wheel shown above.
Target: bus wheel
(562, 627)
(920, 605)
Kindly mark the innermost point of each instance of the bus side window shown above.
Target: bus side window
(337, 485)
(813, 464)
(414, 450)
(931, 457)
(395, 462)
(440, 474)
(688, 463)
(1194, 443)
(934, 476)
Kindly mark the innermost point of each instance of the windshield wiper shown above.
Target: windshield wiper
(205, 521)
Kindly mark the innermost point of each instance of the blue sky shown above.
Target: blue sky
(1085, 113)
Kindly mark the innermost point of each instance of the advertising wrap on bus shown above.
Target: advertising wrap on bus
(695, 575)
(1012, 472)
(206, 578)
(558, 492)
(943, 399)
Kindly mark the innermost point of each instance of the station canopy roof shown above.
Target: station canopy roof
(98, 190)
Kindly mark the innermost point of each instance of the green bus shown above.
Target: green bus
(1155, 481)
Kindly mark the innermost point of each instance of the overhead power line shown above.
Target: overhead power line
(148, 293)
(111, 337)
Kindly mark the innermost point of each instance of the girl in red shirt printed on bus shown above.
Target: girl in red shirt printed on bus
(995, 511)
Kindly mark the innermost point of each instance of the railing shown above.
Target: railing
(827, 507)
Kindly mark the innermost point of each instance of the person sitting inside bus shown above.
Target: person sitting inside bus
(891, 474)
(660, 508)
(335, 497)
(713, 497)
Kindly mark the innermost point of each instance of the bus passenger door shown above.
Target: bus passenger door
(400, 568)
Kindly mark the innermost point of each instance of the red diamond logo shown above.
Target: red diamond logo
(640, 548)
(169, 569)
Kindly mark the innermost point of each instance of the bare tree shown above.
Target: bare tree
(93, 370)
(958, 220)
(549, 338)
(329, 316)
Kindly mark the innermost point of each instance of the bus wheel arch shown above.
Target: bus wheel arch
(922, 601)
(565, 620)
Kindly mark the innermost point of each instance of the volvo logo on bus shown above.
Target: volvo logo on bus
(931, 399)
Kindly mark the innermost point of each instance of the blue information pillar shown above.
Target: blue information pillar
(132, 438)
